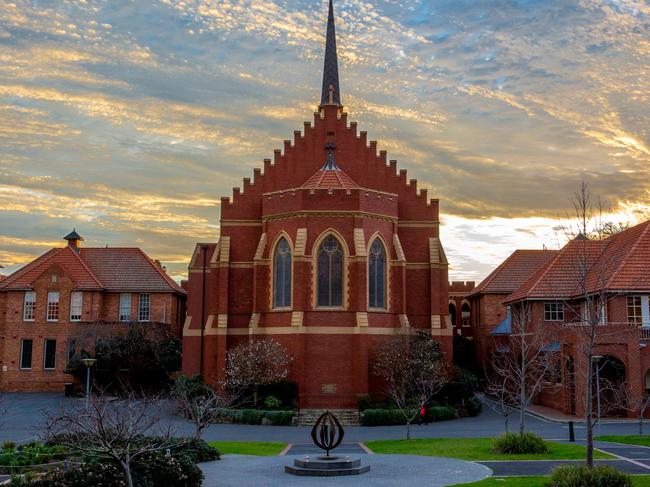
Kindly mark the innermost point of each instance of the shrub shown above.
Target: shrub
(442, 413)
(279, 418)
(157, 469)
(382, 417)
(9, 445)
(582, 476)
(198, 451)
(513, 443)
(462, 386)
(96, 474)
(272, 403)
(372, 402)
(473, 406)
(32, 453)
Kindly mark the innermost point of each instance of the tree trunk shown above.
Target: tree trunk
(408, 430)
(507, 428)
(641, 425)
(127, 473)
(589, 416)
(522, 392)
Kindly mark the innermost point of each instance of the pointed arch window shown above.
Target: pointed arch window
(377, 275)
(330, 273)
(282, 275)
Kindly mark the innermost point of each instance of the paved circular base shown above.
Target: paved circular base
(386, 470)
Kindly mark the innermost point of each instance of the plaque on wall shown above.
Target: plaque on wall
(328, 389)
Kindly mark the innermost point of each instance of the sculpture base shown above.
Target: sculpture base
(327, 467)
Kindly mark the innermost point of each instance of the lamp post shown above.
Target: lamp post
(88, 362)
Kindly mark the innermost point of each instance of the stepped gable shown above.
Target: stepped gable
(302, 158)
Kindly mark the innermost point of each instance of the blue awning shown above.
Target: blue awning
(551, 347)
(505, 327)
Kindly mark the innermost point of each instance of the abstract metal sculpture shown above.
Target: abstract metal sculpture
(327, 433)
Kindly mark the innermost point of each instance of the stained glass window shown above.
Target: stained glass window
(282, 275)
(330, 273)
(377, 275)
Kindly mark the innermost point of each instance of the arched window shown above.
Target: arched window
(282, 275)
(330, 273)
(377, 275)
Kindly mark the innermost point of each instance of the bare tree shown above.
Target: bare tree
(588, 305)
(621, 398)
(500, 390)
(528, 366)
(111, 429)
(413, 370)
(202, 404)
(256, 363)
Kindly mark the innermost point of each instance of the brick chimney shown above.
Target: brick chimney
(74, 240)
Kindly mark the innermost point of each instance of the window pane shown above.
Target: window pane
(26, 354)
(377, 275)
(49, 361)
(52, 306)
(29, 310)
(282, 277)
(330, 273)
(125, 307)
(72, 348)
(76, 305)
(143, 309)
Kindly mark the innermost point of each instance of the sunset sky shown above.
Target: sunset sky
(129, 119)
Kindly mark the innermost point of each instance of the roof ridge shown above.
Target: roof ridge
(54, 251)
(544, 270)
(85, 266)
(170, 282)
(631, 251)
(492, 275)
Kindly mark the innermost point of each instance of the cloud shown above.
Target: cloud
(131, 118)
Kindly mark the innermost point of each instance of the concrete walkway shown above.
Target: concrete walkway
(385, 471)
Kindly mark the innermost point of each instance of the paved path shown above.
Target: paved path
(25, 415)
(385, 470)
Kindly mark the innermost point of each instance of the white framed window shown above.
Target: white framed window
(553, 311)
(143, 307)
(26, 346)
(125, 307)
(52, 306)
(49, 354)
(29, 307)
(76, 305)
(634, 311)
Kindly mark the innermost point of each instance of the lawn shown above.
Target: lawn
(257, 448)
(637, 481)
(474, 449)
(628, 440)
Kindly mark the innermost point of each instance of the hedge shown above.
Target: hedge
(388, 417)
(256, 416)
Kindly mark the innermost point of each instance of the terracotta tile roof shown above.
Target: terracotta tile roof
(330, 179)
(618, 263)
(114, 269)
(127, 269)
(513, 271)
(65, 257)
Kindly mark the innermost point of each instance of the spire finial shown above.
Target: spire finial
(331, 94)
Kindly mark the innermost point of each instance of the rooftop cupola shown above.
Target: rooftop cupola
(331, 94)
(74, 240)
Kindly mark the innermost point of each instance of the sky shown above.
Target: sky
(129, 119)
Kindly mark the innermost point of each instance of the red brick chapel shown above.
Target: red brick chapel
(328, 250)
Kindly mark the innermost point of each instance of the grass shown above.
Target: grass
(637, 481)
(256, 448)
(474, 449)
(628, 440)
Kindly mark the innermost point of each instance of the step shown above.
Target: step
(327, 467)
(347, 417)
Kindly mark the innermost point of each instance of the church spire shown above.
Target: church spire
(331, 92)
